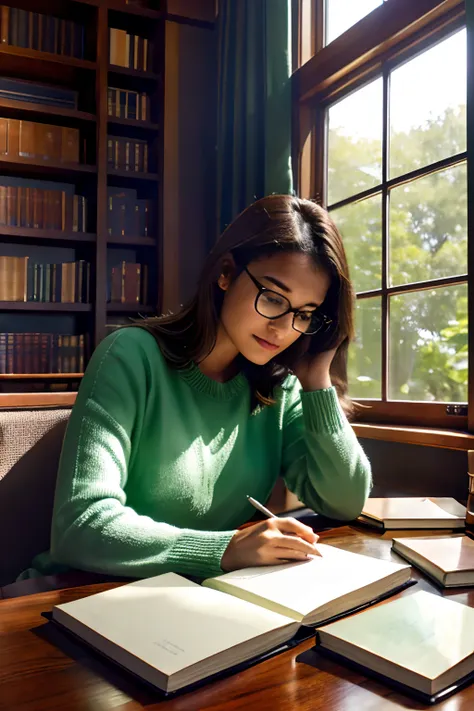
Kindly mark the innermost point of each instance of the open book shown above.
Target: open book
(449, 560)
(413, 512)
(173, 632)
(423, 641)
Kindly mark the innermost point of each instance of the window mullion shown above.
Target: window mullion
(385, 234)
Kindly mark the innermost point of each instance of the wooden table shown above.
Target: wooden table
(41, 669)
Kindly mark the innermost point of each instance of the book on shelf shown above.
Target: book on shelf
(40, 141)
(23, 280)
(129, 283)
(413, 512)
(34, 30)
(422, 643)
(448, 560)
(13, 278)
(127, 216)
(127, 154)
(42, 353)
(173, 632)
(126, 50)
(123, 103)
(36, 93)
(42, 205)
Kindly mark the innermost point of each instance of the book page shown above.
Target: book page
(450, 553)
(170, 622)
(422, 632)
(304, 587)
(406, 508)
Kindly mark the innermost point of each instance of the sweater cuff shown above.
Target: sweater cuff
(200, 552)
(322, 412)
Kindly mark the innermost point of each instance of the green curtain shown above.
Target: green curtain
(254, 103)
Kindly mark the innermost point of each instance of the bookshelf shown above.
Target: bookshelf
(81, 240)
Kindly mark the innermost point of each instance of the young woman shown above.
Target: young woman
(179, 418)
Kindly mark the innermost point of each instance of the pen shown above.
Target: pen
(256, 504)
(260, 507)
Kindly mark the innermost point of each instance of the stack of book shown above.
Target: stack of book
(41, 353)
(41, 141)
(35, 93)
(127, 215)
(128, 50)
(125, 154)
(123, 103)
(129, 283)
(46, 33)
(42, 205)
(65, 283)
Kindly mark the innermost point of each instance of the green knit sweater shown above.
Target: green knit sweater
(157, 462)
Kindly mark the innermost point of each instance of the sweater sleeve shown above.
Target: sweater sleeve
(323, 462)
(93, 528)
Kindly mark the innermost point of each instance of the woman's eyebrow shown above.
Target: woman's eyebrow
(284, 287)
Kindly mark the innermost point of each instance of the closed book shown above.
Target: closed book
(173, 632)
(421, 642)
(3, 136)
(413, 512)
(70, 145)
(4, 22)
(448, 560)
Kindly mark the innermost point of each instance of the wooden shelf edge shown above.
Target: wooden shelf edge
(129, 72)
(117, 307)
(53, 306)
(9, 401)
(46, 109)
(36, 233)
(132, 241)
(40, 376)
(133, 123)
(424, 436)
(49, 165)
(132, 175)
(47, 57)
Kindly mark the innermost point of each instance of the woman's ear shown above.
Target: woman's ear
(228, 269)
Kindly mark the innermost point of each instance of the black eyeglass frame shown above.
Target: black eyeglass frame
(326, 322)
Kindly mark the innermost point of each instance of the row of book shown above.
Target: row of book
(36, 93)
(26, 281)
(22, 204)
(127, 216)
(27, 139)
(123, 103)
(125, 154)
(127, 50)
(129, 283)
(34, 30)
(42, 353)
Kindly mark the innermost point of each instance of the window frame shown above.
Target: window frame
(391, 34)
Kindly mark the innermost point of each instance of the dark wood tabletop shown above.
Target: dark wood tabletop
(43, 669)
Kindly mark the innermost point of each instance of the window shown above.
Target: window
(342, 14)
(394, 177)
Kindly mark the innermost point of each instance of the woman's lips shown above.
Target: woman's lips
(266, 344)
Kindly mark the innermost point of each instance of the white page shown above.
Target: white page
(423, 632)
(304, 587)
(170, 622)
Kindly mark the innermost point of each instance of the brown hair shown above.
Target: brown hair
(274, 224)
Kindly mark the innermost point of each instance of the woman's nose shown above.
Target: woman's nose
(284, 324)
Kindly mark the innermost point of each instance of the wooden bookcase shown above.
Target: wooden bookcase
(91, 77)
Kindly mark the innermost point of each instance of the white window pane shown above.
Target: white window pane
(355, 142)
(428, 106)
(342, 14)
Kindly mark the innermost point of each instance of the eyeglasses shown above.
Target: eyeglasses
(270, 304)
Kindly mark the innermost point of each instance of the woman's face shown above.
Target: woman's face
(294, 276)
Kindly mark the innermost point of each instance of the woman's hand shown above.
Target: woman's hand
(313, 370)
(270, 542)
